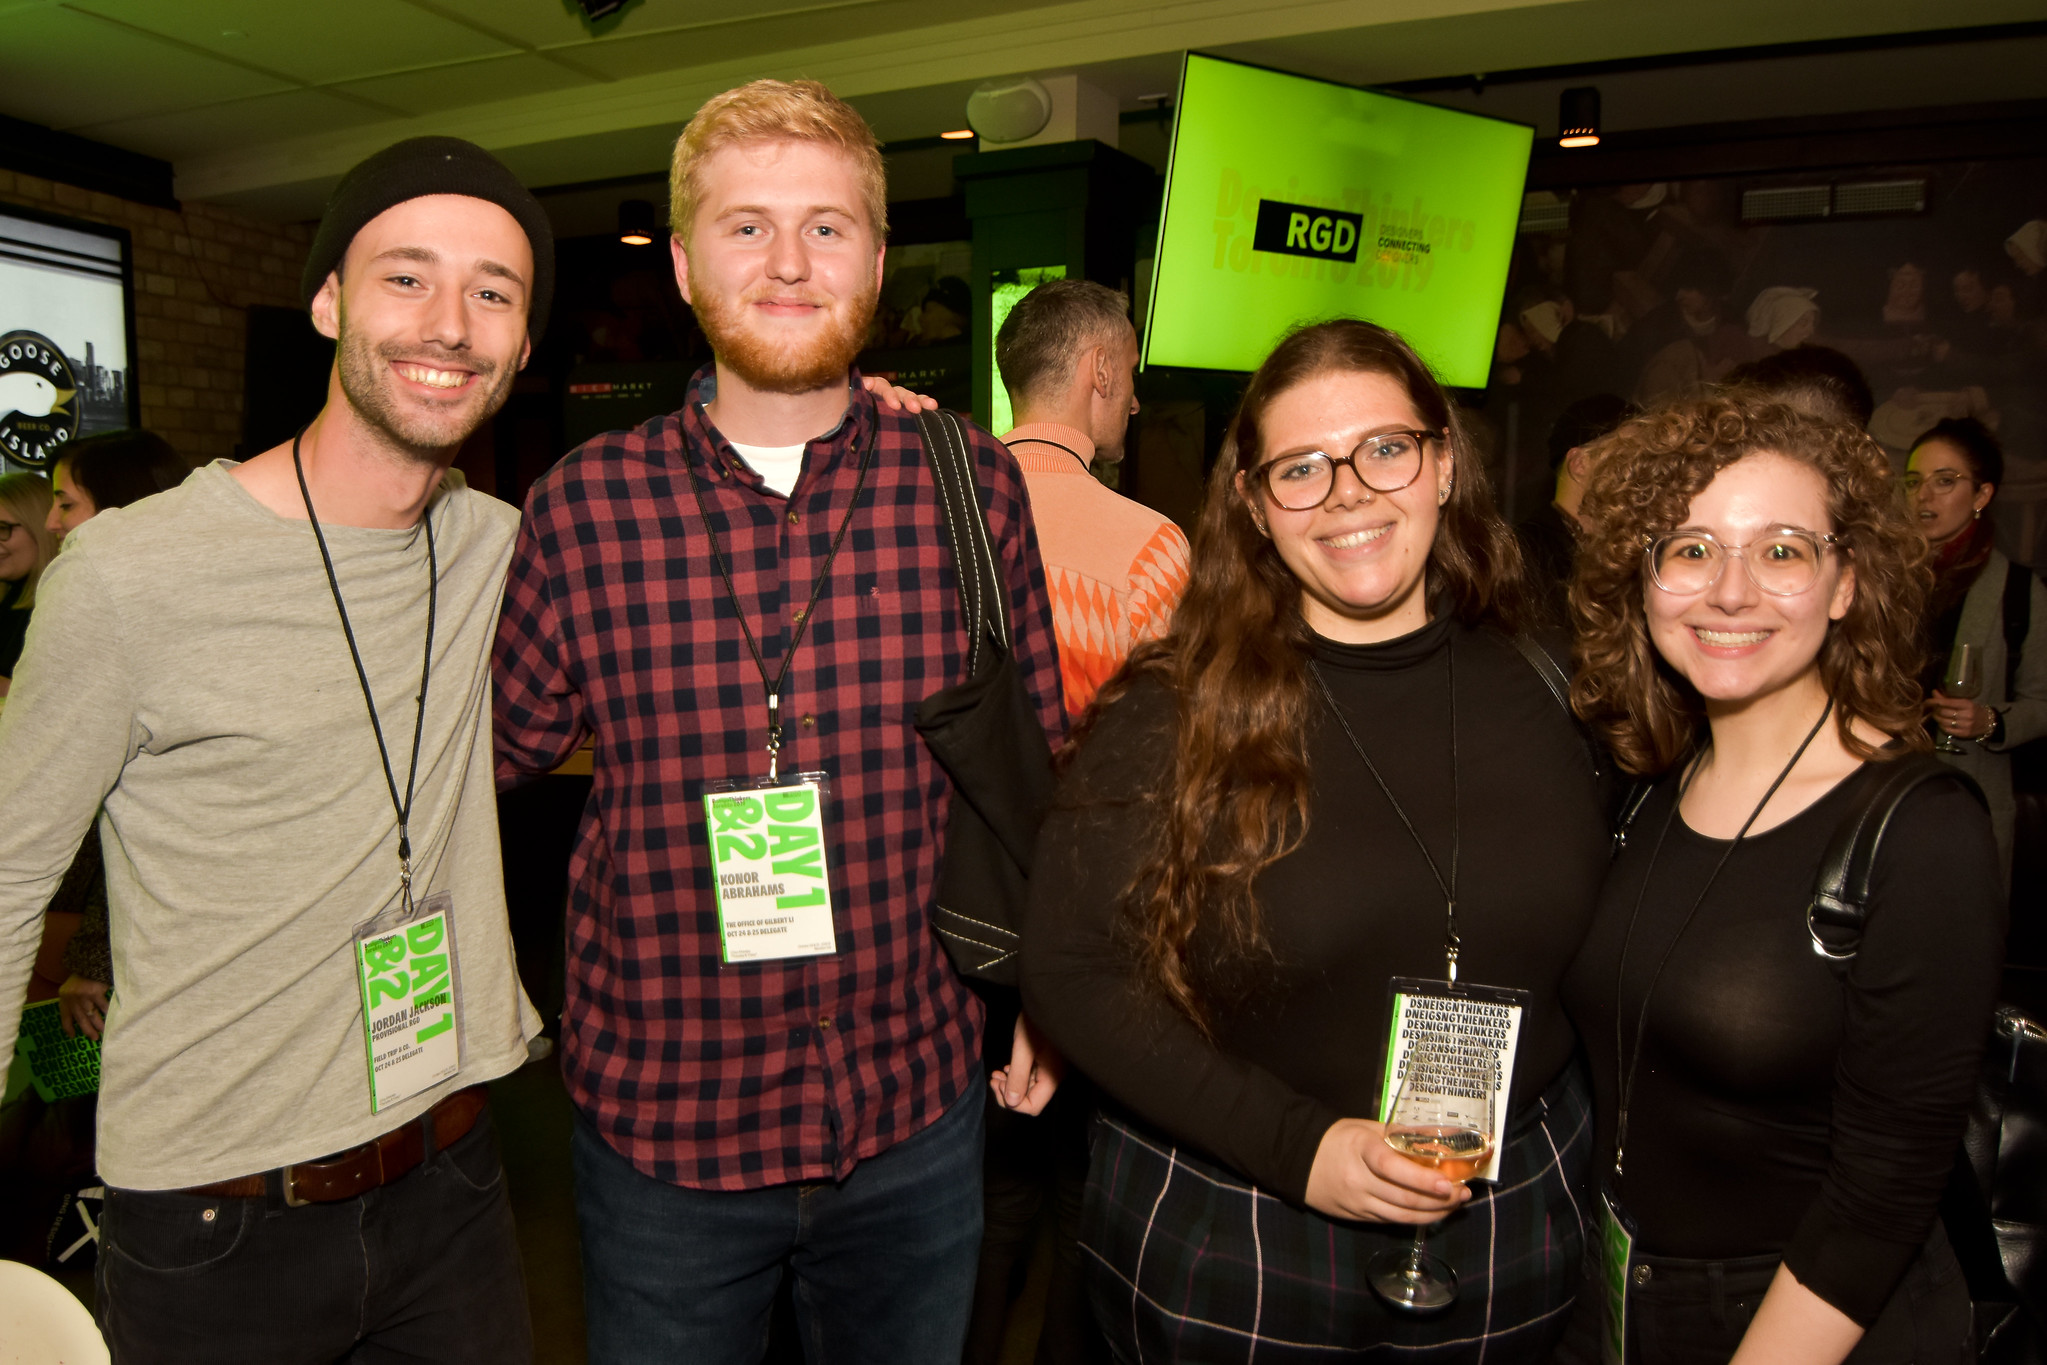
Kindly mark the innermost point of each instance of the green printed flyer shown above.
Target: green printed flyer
(60, 1067)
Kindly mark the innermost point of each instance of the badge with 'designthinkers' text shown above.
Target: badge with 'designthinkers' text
(38, 399)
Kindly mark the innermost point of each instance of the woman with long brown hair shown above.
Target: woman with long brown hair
(1775, 1128)
(1341, 767)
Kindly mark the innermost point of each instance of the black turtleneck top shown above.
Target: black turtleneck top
(1301, 1043)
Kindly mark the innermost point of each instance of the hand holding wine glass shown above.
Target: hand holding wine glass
(1443, 1117)
(1963, 681)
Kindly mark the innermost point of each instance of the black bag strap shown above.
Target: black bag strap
(984, 609)
(1557, 679)
(2018, 617)
(1547, 668)
(1839, 911)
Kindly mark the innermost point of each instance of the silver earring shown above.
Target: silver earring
(1979, 514)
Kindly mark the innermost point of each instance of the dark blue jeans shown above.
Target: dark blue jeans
(883, 1261)
(425, 1269)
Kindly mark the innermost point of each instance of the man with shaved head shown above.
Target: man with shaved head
(271, 686)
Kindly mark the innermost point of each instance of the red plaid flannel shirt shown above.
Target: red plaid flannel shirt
(617, 624)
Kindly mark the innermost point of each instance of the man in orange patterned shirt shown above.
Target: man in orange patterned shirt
(1115, 570)
(1068, 356)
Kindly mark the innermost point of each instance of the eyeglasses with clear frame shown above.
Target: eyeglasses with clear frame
(1783, 562)
(1942, 483)
(1385, 463)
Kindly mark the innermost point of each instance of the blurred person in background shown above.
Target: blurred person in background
(1784, 316)
(26, 548)
(1549, 536)
(1980, 599)
(1817, 380)
(110, 470)
(1115, 570)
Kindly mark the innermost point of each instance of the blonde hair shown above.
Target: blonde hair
(775, 111)
(26, 498)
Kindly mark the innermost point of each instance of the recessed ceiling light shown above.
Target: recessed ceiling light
(636, 222)
(958, 135)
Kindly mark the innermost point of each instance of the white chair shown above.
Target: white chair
(43, 1323)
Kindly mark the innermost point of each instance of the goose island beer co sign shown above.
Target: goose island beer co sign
(39, 404)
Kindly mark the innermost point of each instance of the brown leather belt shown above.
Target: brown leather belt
(377, 1162)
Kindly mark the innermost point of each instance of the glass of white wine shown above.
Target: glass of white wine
(1442, 1117)
(1964, 679)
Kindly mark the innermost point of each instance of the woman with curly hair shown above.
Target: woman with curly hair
(1337, 769)
(1775, 1130)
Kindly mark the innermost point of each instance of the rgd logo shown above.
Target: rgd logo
(1304, 230)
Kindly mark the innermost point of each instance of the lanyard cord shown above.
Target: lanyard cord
(1452, 943)
(433, 583)
(1625, 1075)
(1041, 441)
(774, 688)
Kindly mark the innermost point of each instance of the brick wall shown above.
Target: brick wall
(196, 271)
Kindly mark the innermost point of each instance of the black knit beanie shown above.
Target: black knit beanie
(431, 165)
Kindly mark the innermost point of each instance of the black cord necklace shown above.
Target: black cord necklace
(1041, 441)
(1625, 1074)
(433, 581)
(1452, 943)
(773, 686)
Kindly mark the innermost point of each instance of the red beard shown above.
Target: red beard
(774, 366)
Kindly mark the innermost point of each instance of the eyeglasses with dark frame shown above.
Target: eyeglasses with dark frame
(8, 528)
(1783, 562)
(1385, 463)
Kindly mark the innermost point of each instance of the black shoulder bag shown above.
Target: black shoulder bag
(1995, 1206)
(985, 733)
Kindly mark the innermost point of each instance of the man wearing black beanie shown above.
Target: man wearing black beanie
(273, 680)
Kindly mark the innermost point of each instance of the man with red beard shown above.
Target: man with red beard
(774, 1065)
(269, 685)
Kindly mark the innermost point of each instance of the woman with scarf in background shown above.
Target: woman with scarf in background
(1951, 480)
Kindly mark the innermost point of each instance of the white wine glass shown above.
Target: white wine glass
(1964, 679)
(1442, 1117)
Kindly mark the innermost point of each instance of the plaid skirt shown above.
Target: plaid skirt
(1188, 1262)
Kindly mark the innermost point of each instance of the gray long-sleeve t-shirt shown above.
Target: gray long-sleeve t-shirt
(186, 670)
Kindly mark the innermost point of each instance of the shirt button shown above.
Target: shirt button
(1644, 1274)
(208, 1215)
(825, 1023)
(794, 516)
(810, 722)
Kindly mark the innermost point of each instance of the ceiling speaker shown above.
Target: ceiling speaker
(1009, 110)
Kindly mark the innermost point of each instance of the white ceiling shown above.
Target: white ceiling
(263, 103)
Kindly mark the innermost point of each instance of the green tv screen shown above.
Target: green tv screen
(1292, 200)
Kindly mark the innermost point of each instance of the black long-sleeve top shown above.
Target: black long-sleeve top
(1353, 906)
(1778, 1107)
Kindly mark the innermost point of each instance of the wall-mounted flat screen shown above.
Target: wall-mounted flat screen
(66, 335)
(1292, 200)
